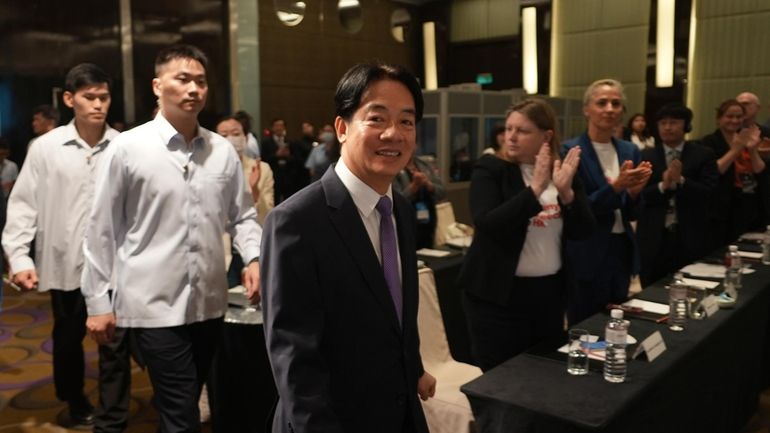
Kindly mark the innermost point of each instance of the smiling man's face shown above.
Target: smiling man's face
(379, 138)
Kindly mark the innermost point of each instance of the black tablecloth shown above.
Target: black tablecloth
(707, 381)
(241, 387)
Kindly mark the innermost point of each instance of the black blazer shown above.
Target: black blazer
(340, 360)
(501, 206)
(693, 200)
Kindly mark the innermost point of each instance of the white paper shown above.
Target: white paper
(432, 253)
(701, 284)
(652, 307)
(749, 254)
(708, 270)
(461, 242)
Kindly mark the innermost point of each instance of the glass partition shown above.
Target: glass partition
(464, 147)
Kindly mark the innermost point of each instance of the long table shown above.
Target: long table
(708, 380)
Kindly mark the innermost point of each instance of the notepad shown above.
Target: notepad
(700, 284)
(652, 307)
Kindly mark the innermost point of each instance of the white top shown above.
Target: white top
(50, 203)
(159, 214)
(642, 144)
(541, 254)
(365, 199)
(608, 159)
(9, 171)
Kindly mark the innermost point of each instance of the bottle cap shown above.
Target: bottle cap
(616, 313)
(733, 247)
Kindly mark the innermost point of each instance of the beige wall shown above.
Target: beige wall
(593, 39)
(729, 55)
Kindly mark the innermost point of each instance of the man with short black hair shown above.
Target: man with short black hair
(50, 203)
(44, 119)
(340, 274)
(167, 192)
(674, 217)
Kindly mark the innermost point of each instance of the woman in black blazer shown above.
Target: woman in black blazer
(523, 204)
(737, 206)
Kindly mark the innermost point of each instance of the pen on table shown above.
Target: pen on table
(13, 285)
(662, 319)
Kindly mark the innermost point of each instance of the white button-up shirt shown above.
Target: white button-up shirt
(159, 214)
(50, 202)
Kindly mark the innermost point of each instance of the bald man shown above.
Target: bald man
(751, 105)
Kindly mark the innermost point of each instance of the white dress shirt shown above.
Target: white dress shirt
(365, 199)
(50, 203)
(9, 171)
(160, 210)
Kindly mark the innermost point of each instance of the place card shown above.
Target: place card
(710, 305)
(652, 346)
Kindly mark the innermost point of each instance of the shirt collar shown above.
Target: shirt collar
(679, 148)
(170, 135)
(364, 197)
(71, 136)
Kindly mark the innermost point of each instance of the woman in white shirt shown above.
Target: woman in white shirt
(523, 206)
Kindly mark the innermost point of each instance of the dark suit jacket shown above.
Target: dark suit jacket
(604, 201)
(692, 201)
(340, 360)
(502, 206)
(289, 173)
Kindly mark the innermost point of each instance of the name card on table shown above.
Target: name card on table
(710, 305)
(652, 346)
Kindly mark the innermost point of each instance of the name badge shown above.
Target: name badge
(652, 346)
(423, 214)
(710, 305)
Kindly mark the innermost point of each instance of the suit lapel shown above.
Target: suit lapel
(596, 175)
(347, 222)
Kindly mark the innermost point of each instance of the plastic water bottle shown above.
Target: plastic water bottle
(732, 281)
(766, 247)
(677, 302)
(615, 336)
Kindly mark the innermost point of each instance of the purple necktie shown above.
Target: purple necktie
(389, 253)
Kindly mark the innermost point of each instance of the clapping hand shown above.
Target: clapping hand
(564, 172)
(642, 175)
(631, 177)
(542, 172)
(673, 174)
(750, 137)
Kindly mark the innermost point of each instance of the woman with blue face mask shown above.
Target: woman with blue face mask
(326, 153)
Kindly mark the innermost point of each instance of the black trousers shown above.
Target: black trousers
(178, 360)
(609, 285)
(534, 313)
(69, 329)
(111, 414)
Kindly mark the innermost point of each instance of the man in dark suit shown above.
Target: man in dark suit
(287, 161)
(613, 177)
(673, 221)
(340, 274)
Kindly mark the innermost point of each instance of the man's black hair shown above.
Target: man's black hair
(180, 51)
(357, 79)
(85, 74)
(48, 112)
(675, 110)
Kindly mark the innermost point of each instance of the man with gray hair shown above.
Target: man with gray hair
(613, 177)
(751, 107)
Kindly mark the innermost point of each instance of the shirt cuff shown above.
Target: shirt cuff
(99, 305)
(23, 263)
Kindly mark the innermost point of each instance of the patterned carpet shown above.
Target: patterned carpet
(27, 401)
